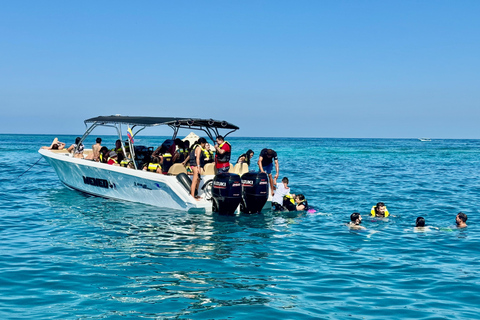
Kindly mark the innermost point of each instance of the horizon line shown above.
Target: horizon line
(259, 137)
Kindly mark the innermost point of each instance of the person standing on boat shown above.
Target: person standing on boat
(222, 155)
(265, 164)
(196, 163)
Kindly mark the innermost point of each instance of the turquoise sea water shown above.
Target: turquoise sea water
(65, 255)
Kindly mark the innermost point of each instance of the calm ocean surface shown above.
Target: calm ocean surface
(65, 255)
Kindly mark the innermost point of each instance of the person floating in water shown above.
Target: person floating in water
(380, 210)
(461, 220)
(420, 225)
(355, 221)
(301, 202)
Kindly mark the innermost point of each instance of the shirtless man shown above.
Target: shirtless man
(461, 220)
(355, 221)
(95, 155)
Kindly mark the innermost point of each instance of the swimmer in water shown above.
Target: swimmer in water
(355, 221)
(301, 202)
(461, 220)
(420, 225)
(380, 210)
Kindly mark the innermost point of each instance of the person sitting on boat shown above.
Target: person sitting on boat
(167, 160)
(265, 164)
(167, 146)
(196, 164)
(355, 221)
(282, 190)
(118, 149)
(301, 202)
(56, 145)
(186, 162)
(113, 159)
(77, 148)
(380, 210)
(209, 157)
(246, 157)
(153, 166)
(181, 153)
(103, 154)
(127, 162)
(95, 155)
(222, 155)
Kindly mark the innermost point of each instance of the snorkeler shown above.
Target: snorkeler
(461, 220)
(355, 221)
(380, 210)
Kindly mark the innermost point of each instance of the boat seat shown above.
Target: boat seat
(240, 168)
(209, 169)
(177, 168)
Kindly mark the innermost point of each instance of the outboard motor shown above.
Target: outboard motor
(226, 193)
(254, 191)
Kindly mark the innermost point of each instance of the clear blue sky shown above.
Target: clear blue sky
(400, 69)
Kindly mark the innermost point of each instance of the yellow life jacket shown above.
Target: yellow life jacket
(124, 163)
(152, 167)
(372, 212)
(183, 152)
(208, 154)
(289, 198)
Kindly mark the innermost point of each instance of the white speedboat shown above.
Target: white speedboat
(117, 182)
(424, 139)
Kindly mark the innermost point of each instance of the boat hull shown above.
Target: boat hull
(121, 183)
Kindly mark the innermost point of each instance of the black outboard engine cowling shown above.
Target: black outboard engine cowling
(254, 191)
(226, 193)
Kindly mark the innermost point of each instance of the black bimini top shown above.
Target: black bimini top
(169, 121)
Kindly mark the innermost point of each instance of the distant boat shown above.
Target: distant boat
(424, 139)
